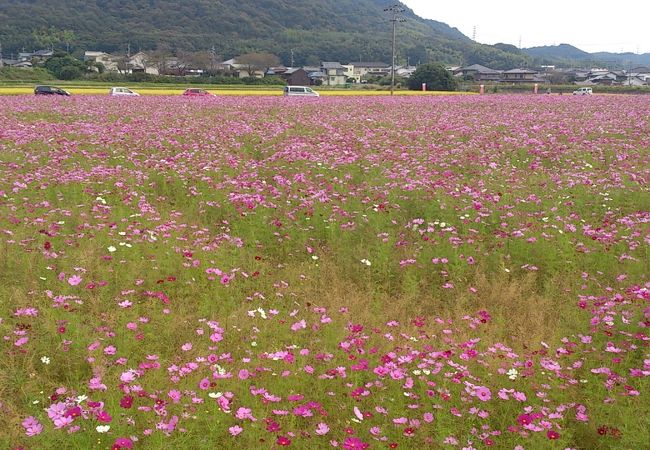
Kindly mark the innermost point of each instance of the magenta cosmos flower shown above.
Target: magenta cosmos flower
(354, 443)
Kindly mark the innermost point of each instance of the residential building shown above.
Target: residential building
(334, 73)
(363, 69)
(38, 55)
(240, 70)
(140, 63)
(405, 72)
(295, 76)
(521, 76)
(109, 62)
(479, 73)
(349, 72)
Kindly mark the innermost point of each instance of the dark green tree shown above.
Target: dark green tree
(69, 73)
(435, 76)
(60, 61)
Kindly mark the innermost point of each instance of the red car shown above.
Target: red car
(193, 92)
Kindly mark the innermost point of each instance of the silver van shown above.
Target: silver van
(300, 91)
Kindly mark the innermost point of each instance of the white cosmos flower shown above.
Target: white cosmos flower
(103, 428)
(366, 262)
(512, 374)
(111, 249)
(45, 360)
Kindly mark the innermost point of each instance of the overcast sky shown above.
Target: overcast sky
(619, 26)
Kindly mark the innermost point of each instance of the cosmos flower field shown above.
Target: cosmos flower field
(258, 272)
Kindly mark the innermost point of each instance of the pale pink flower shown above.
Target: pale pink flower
(74, 280)
(322, 429)
(32, 426)
(235, 430)
(483, 393)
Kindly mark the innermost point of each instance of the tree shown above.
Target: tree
(60, 61)
(69, 73)
(159, 59)
(68, 36)
(257, 62)
(46, 37)
(435, 76)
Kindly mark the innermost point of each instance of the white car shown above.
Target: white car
(583, 91)
(300, 91)
(122, 91)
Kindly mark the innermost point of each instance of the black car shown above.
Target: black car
(50, 90)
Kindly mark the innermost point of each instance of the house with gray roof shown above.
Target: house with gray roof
(334, 73)
(479, 73)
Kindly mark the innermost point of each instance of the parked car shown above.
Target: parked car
(583, 91)
(50, 90)
(301, 91)
(122, 91)
(194, 92)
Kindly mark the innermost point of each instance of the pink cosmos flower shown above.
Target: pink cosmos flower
(74, 280)
(32, 426)
(245, 413)
(322, 429)
(235, 430)
(484, 394)
(204, 384)
(174, 395)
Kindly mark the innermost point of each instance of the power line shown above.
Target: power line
(396, 11)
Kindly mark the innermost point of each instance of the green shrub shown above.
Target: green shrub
(435, 76)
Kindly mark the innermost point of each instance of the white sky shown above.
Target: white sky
(618, 26)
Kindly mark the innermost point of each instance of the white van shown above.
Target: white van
(122, 91)
(301, 91)
(583, 91)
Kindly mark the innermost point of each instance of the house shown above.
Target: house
(521, 76)
(334, 73)
(16, 63)
(295, 76)
(109, 62)
(363, 69)
(405, 72)
(637, 81)
(240, 70)
(479, 73)
(140, 63)
(37, 56)
(349, 72)
(316, 78)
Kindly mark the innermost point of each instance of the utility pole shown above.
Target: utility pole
(395, 11)
(292, 58)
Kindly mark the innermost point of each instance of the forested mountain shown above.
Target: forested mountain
(316, 30)
(568, 55)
